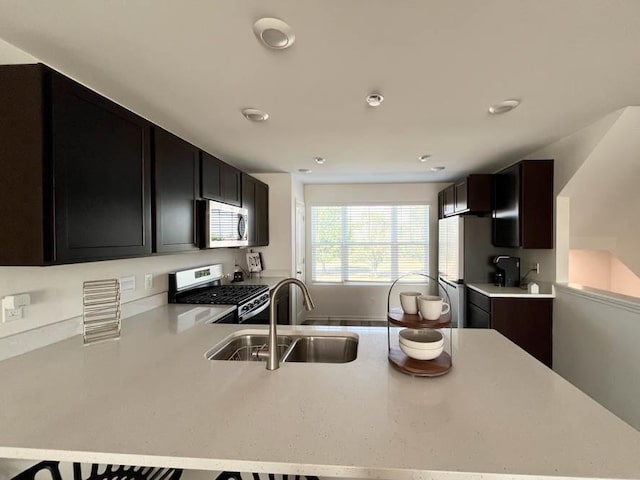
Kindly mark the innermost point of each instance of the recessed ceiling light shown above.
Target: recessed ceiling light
(304, 170)
(319, 160)
(424, 158)
(255, 115)
(436, 169)
(375, 99)
(503, 107)
(274, 33)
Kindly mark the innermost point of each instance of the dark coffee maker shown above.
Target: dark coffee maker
(507, 270)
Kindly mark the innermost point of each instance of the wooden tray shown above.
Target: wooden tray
(398, 317)
(420, 368)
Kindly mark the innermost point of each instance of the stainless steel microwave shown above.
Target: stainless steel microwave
(224, 225)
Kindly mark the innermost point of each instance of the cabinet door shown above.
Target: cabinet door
(506, 211)
(441, 205)
(176, 183)
(282, 307)
(211, 177)
(460, 201)
(262, 214)
(231, 185)
(101, 169)
(255, 198)
(536, 209)
(477, 318)
(526, 322)
(449, 200)
(249, 202)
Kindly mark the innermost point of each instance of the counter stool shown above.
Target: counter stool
(101, 472)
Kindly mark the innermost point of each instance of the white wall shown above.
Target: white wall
(358, 301)
(56, 292)
(569, 154)
(13, 55)
(595, 347)
(602, 270)
(595, 335)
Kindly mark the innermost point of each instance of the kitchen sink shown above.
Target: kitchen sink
(316, 348)
(320, 349)
(246, 348)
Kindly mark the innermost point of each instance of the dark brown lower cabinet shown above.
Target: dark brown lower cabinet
(527, 322)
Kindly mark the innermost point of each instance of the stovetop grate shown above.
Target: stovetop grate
(225, 294)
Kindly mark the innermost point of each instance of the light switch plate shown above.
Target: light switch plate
(127, 284)
(148, 281)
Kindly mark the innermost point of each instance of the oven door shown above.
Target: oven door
(225, 226)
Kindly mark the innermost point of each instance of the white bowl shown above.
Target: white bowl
(421, 354)
(423, 339)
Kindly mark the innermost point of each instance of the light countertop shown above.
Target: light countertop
(271, 282)
(151, 398)
(491, 290)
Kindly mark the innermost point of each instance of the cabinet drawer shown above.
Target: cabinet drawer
(477, 318)
(479, 300)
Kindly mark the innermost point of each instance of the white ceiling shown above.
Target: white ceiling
(191, 66)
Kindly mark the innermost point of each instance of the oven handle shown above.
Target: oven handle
(253, 313)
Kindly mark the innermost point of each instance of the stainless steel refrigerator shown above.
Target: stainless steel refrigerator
(464, 256)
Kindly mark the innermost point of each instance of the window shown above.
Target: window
(368, 243)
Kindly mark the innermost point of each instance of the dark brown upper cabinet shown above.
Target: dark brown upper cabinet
(523, 205)
(176, 180)
(472, 195)
(76, 172)
(255, 198)
(220, 181)
(449, 199)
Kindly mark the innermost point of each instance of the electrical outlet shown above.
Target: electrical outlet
(148, 281)
(12, 314)
(127, 284)
(536, 268)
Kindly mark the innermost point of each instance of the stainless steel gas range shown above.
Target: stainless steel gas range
(203, 286)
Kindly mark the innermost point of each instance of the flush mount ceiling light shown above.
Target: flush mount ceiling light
(255, 115)
(375, 99)
(436, 169)
(319, 160)
(503, 107)
(274, 33)
(424, 158)
(304, 170)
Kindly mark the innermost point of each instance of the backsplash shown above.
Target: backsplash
(56, 292)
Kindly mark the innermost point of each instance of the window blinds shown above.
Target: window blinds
(368, 243)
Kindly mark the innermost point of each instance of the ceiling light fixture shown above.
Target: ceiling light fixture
(274, 33)
(424, 158)
(255, 115)
(436, 169)
(319, 160)
(375, 99)
(503, 107)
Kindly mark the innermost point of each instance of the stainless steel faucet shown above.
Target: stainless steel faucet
(273, 360)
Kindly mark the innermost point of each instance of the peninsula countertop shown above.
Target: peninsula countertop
(151, 398)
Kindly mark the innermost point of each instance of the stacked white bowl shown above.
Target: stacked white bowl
(422, 344)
